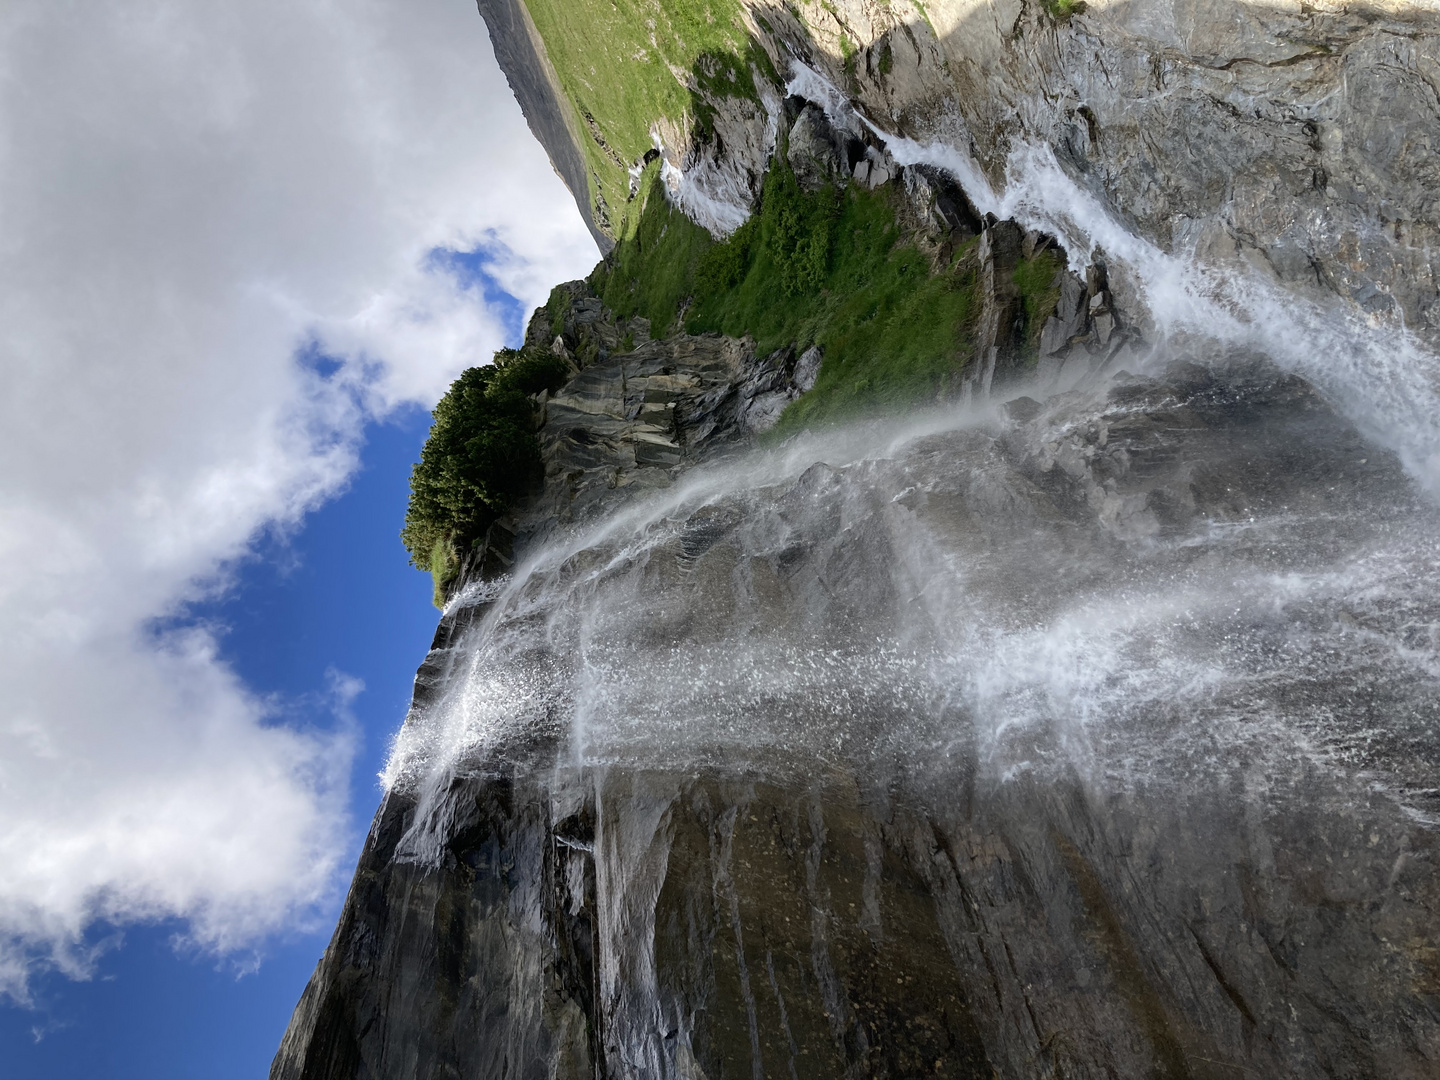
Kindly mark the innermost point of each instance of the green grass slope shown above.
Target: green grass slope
(827, 268)
(624, 64)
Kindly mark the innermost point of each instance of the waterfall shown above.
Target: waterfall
(1379, 374)
(1086, 728)
(621, 644)
(900, 596)
(1169, 639)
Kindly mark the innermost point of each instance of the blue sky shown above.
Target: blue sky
(336, 598)
(247, 248)
(339, 596)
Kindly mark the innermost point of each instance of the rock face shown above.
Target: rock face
(1296, 136)
(1094, 737)
(636, 416)
(814, 153)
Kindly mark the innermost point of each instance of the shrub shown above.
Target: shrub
(529, 371)
(480, 456)
(797, 230)
(723, 266)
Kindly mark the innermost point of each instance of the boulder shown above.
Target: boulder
(813, 151)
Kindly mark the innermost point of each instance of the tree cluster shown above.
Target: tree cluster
(481, 455)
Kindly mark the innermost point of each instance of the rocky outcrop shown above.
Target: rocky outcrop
(634, 417)
(816, 156)
(631, 421)
(1295, 136)
(639, 412)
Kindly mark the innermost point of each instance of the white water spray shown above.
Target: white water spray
(910, 595)
(913, 603)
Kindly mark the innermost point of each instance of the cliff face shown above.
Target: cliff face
(1293, 139)
(1084, 726)
(1298, 137)
(1038, 741)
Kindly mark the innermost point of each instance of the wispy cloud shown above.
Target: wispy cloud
(192, 194)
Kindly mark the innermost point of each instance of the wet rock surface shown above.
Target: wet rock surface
(1089, 736)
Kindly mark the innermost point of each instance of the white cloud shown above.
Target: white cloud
(189, 191)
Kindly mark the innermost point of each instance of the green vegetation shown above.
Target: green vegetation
(651, 272)
(481, 454)
(926, 16)
(1038, 279)
(827, 268)
(625, 64)
(1061, 10)
(557, 306)
(850, 57)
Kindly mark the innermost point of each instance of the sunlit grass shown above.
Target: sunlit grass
(826, 268)
(1063, 9)
(624, 64)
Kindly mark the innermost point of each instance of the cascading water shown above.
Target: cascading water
(1373, 370)
(970, 582)
(1182, 628)
(1092, 733)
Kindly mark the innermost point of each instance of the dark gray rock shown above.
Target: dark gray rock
(807, 369)
(631, 420)
(786, 844)
(812, 150)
